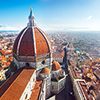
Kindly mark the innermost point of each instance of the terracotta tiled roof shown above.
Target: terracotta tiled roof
(16, 41)
(83, 90)
(36, 90)
(5, 52)
(32, 41)
(16, 84)
(56, 54)
(55, 66)
(76, 74)
(47, 39)
(17, 87)
(45, 70)
(41, 43)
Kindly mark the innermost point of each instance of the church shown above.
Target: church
(37, 75)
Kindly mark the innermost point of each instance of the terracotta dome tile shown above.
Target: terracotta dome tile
(26, 46)
(45, 70)
(47, 39)
(30, 41)
(16, 41)
(41, 43)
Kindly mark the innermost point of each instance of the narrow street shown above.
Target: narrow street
(65, 94)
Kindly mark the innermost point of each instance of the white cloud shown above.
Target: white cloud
(7, 28)
(68, 27)
(89, 17)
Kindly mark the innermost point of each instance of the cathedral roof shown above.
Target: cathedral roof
(55, 66)
(17, 84)
(36, 91)
(32, 40)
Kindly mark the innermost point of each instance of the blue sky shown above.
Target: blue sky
(51, 14)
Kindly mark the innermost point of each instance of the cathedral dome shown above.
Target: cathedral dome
(55, 66)
(31, 41)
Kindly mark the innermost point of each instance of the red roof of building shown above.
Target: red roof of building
(36, 91)
(83, 90)
(57, 55)
(8, 85)
(18, 86)
(5, 52)
(75, 73)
